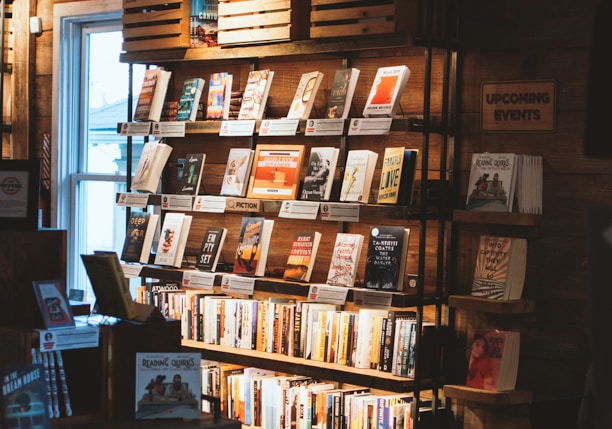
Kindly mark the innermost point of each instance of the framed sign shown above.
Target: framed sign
(53, 303)
(19, 192)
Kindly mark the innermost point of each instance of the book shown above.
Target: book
(493, 360)
(153, 90)
(169, 110)
(302, 255)
(276, 170)
(53, 303)
(253, 243)
(358, 175)
(255, 94)
(204, 23)
(168, 385)
(210, 250)
(345, 259)
(387, 251)
(152, 161)
(492, 182)
(305, 94)
(24, 397)
(500, 267)
(139, 237)
(397, 176)
(173, 237)
(190, 99)
(191, 177)
(366, 335)
(385, 93)
(237, 172)
(341, 93)
(320, 171)
(219, 95)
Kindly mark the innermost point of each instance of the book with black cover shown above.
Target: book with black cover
(210, 250)
(386, 257)
(139, 237)
(320, 171)
(192, 173)
(341, 94)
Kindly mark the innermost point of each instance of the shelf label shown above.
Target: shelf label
(372, 299)
(238, 284)
(135, 129)
(369, 126)
(199, 279)
(81, 336)
(176, 202)
(131, 271)
(299, 209)
(237, 128)
(131, 199)
(324, 127)
(279, 127)
(326, 293)
(243, 205)
(340, 212)
(169, 129)
(209, 204)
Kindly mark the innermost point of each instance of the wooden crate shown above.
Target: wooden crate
(155, 24)
(349, 18)
(262, 21)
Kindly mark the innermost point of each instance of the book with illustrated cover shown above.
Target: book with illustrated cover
(53, 303)
(152, 95)
(358, 175)
(25, 403)
(253, 243)
(500, 267)
(386, 91)
(169, 111)
(387, 251)
(172, 240)
(492, 182)
(276, 171)
(341, 94)
(255, 94)
(210, 250)
(237, 172)
(219, 95)
(189, 100)
(345, 259)
(305, 95)
(168, 385)
(204, 23)
(320, 172)
(152, 161)
(302, 255)
(191, 177)
(139, 237)
(493, 360)
(397, 176)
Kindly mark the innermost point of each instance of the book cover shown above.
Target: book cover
(152, 161)
(253, 242)
(500, 267)
(345, 259)
(320, 172)
(397, 176)
(492, 181)
(358, 175)
(255, 94)
(153, 90)
(493, 360)
(53, 303)
(302, 255)
(139, 237)
(219, 95)
(276, 171)
(24, 397)
(237, 172)
(189, 99)
(173, 237)
(192, 174)
(211, 247)
(305, 94)
(385, 93)
(341, 94)
(204, 23)
(168, 385)
(169, 111)
(386, 257)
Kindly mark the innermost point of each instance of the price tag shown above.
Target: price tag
(238, 284)
(340, 212)
(299, 209)
(130, 199)
(176, 202)
(327, 293)
(237, 128)
(131, 271)
(198, 279)
(324, 127)
(169, 129)
(209, 203)
(135, 129)
(372, 299)
(369, 126)
(279, 127)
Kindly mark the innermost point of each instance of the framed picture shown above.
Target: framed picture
(53, 303)
(19, 192)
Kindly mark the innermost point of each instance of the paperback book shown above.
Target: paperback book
(305, 95)
(173, 238)
(219, 95)
(341, 94)
(320, 172)
(253, 244)
(190, 99)
(397, 176)
(276, 171)
(302, 255)
(211, 247)
(387, 252)
(385, 93)
(151, 163)
(345, 259)
(25, 402)
(358, 175)
(191, 176)
(204, 23)
(493, 360)
(152, 95)
(492, 182)
(237, 172)
(255, 94)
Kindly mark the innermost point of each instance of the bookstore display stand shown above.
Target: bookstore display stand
(428, 217)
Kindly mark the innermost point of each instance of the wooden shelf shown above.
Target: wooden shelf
(486, 397)
(496, 218)
(472, 303)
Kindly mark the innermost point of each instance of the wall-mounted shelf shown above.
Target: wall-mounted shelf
(471, 303)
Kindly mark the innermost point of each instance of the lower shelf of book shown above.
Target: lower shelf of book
(206, 421)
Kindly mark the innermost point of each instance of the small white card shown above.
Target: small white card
(324, 127)
(131, 199)
(176, 202)
(345, 212)
(299, 209)
(237, 128)
(372, 299)
(209, 203)
(243, 205)
(238, 284)
(78, 337)
(131, 271)
(169, 129)
(135, 129)
(198, 279)
(369, 126)
(279, 127)
(326, 293)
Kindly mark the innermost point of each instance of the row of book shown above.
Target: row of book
(383, 99)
